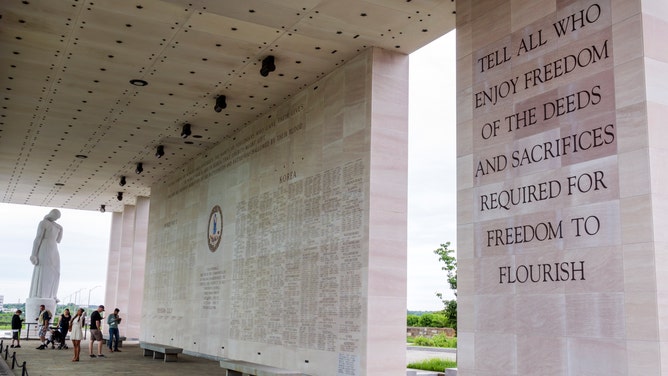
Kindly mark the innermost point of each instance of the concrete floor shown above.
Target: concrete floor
(54, 362)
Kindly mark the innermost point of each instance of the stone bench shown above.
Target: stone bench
(105, 338)
(241, 368)
(158, 351)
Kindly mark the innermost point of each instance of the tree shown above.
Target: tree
(447, 257)
(412, 320)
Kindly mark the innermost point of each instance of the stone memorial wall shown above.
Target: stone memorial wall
(262, 250)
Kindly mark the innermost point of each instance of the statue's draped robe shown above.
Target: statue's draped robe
(46, 275)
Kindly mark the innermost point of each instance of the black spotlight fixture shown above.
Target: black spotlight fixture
(102, 209)
(221, 103)
(122, 182)
(119, 196)
(185, 131)
(160, 151)
(140, 168)
(267, 66)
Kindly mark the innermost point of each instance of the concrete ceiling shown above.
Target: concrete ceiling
(72, 124)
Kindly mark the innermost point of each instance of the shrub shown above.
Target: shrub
(438, 340)
(441, 340)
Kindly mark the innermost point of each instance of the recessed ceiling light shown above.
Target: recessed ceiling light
(138, 82)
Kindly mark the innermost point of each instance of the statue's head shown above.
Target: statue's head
(53, 215)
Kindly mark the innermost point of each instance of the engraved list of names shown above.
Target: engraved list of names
(295, 280)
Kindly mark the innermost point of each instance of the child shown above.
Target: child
(50, 339)
(17, 323)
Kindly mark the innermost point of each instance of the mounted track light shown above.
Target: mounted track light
(140, 168)
(122, 182)
(185, 131)
(267, 66)
(119, 196)
(221, 103)
(102, 209)
(160, 151)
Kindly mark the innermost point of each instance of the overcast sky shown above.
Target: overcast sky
(431, 203)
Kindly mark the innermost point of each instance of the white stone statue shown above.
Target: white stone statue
(45, 257)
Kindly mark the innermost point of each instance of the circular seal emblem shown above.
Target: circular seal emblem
(215, 231)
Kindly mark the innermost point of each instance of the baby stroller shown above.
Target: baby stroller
(54, 337)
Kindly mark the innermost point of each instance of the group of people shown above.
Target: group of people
(44, 285)
(73, 325)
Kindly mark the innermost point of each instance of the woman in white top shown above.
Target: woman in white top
(76, 328)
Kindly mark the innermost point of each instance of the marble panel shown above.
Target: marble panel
(632, 127)
(627, 35)
(637, 225)
(656, 113)
(465, 68)
(464, 138)
(644, 358)
(661, 265)
(640, 266)
(466, 346)
(490, 19)
(465, 276)
(656, 80)
(596, 357)
(495, 314)
(466, 303)
(634, 173)
(596, 315)
(662, 313)
(464, 200)
(496, 353)
(526, 12)
(656, 8)
(624, 9)
(464, 168)
(541, 355)
(465, 241)
(630, 83)
(542, 315)
(642, 320)
(464, 104)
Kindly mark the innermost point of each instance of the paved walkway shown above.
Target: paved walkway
(418, 353)
(130, 361)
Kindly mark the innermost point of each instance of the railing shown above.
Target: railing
(15, 362)
(27, 328)
(29, 324)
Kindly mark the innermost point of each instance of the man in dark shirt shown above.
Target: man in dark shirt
(96, 332)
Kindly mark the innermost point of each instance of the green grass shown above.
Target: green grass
(439, 340)
(437, 365)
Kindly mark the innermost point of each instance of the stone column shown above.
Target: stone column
(125, 271)
(561, 187)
